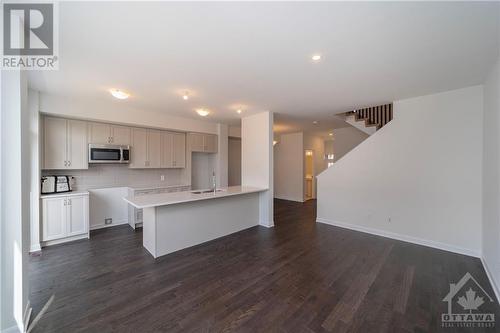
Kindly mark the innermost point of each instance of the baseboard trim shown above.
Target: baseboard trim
(12, 329)
(404, 238)
(35, 248)
(101, 226)
(495, 287)
(268, 224)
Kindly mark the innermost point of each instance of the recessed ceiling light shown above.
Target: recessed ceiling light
(330, 134)
(315, 122)
(316, 57)
(275, 142)
(238, 111)
(185, 96)
(203, 112)
(119, 94)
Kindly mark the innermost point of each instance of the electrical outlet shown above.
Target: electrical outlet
(108, 221)
(162, 177)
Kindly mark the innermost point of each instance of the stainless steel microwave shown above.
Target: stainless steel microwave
(99, 153)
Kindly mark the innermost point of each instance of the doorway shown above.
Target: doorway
(309, 174)
(234, 161)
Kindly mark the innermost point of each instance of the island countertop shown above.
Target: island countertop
(163, 199)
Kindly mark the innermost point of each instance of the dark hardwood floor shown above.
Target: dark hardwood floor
(300, 276)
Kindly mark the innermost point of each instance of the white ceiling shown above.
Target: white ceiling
(257, 55)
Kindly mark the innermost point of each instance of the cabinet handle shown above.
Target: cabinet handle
(65, 163)
(112, 139)
(64, 202)
(69, 163)
(69, 202)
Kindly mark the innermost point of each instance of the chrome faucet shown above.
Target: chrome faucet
(214, 182)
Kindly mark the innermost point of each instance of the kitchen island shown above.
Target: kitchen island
(174, 221)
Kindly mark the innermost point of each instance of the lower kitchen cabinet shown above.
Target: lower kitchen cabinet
(64, 218)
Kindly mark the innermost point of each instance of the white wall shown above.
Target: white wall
(222, 158)
(235, 131)
(108, 203)
(203, 166)
(491, 176)
(345, 139)
(257, 161)
(289, 167)
(34, 135)
(117, 111)
(317, 144)
(418, 178)
(15, 199)
(234, 161)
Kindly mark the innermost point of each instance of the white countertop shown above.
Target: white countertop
(155, 187)
(64, 194)
(163, 199)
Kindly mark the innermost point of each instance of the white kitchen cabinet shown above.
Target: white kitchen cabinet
(179, 150)
(64, 218)
(109, 134)
(120, 135)
(154, 149)
(210, 141)
(55, 143)
(65, 144)
(173, 150)
(139, 148)
(204, 143)
(145, 149)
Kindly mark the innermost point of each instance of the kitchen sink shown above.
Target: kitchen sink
(206, 191)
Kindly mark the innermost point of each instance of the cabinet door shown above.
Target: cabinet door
(210, 143)
(54, 218)
(54, 143)
(99, 133)
(167, 150)
(77, 145)
(196, 142)
(139, 148)
(77, 215)
(179, 150)
(154, 149)
(120, 135)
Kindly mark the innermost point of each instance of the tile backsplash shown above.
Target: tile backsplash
(118, 175)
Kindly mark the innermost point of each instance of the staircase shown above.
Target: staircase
(370, 120)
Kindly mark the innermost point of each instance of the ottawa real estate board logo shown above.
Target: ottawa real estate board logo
(466, 303)
(30, 39)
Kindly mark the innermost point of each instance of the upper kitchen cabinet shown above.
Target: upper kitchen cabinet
(205, 143)
(173, 150)
(145, 149)
(109, 134)
(65, 144)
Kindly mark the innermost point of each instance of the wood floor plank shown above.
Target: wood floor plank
(299, 276)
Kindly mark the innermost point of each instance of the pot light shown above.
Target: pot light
(185, 96)
(330, 134)
(275, 142)
(239, 111)
(202, 112)
(119, 94)
(316, 57)
(315, 122)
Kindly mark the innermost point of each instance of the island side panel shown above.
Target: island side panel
(187, 224)
(149, 230)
